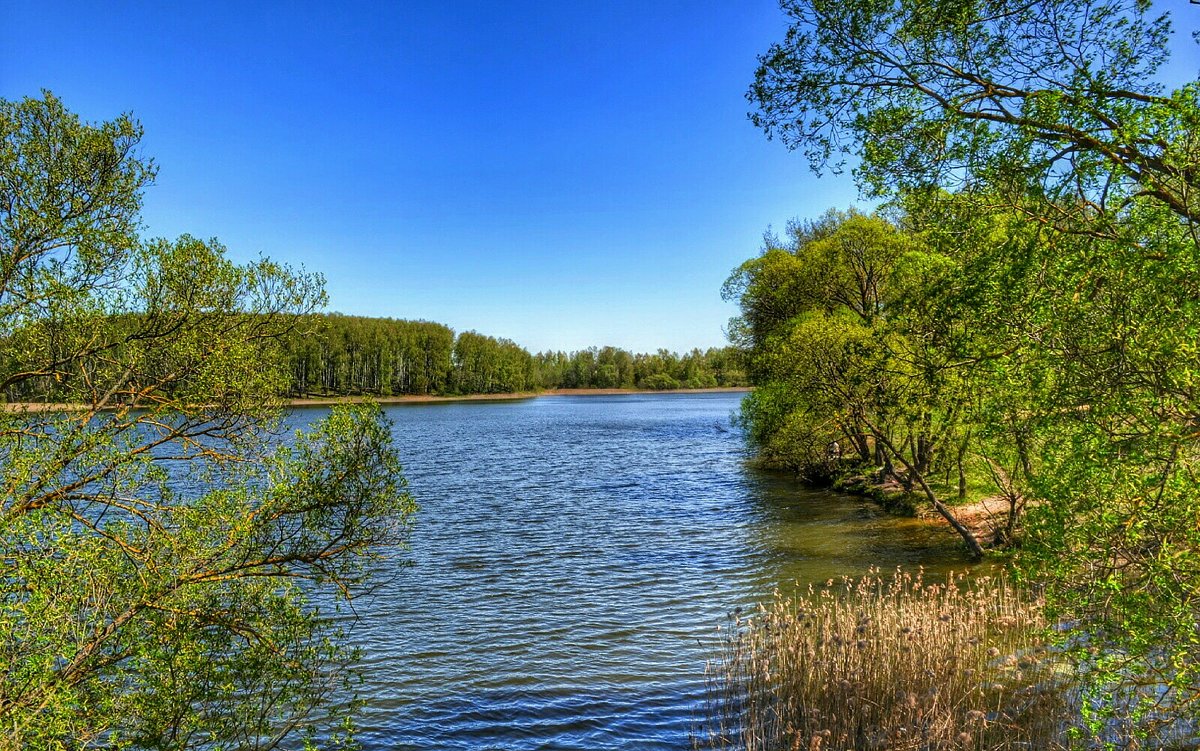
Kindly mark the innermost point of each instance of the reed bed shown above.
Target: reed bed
(889, 663)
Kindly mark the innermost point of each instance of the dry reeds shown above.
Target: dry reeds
(888, 663)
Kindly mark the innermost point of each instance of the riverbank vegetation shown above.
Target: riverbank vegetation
(890, 662)
(1021, 312)
(167, 573)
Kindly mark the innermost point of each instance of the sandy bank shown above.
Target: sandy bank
(986, 518)
(42, 407)
(329, 401)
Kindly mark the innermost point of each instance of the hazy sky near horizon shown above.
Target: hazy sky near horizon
(561, 174)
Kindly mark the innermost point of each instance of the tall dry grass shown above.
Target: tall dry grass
(889, 662)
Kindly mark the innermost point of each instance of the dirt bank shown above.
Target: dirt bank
(329, 401)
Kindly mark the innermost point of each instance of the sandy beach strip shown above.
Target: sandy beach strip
(329, 401)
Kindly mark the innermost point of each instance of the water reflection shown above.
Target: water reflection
(811, 536)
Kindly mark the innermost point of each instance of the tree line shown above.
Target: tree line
(340, 355)
(353, 355)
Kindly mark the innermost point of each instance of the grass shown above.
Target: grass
(889, 662)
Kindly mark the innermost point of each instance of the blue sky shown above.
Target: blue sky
(562, 174)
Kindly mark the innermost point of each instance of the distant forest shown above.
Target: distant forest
(339, 355)
(352, 355)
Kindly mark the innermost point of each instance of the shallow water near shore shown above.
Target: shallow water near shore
(572, 559)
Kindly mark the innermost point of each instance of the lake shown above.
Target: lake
(572, 559)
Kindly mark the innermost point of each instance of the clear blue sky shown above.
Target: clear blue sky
(564, 174)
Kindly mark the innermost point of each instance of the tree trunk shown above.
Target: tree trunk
(968, 537)
(962, 472)
(863, 446)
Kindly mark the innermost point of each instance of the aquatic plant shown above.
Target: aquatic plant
(890, 662)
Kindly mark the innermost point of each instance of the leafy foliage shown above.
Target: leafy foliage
(847, 354)
(1051, 93)
(170, 562)
(1048, 313)
(352, 355)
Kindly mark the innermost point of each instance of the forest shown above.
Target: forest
(353, 355)
(329, 354)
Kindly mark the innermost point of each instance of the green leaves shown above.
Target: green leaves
(169, 565)
(1044, 316)
(1052, 94)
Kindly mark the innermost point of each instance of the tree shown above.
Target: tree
(849, 364)
(1076, 273)
(170, 557)
(1054, 93)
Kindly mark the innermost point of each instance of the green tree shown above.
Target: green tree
(1055, 94)
(853, 365)
(1073, 234)
(170, 558)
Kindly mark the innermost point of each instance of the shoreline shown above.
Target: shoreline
(329, 401)
(984, 517)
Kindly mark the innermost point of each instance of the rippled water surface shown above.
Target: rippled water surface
(571, 559)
